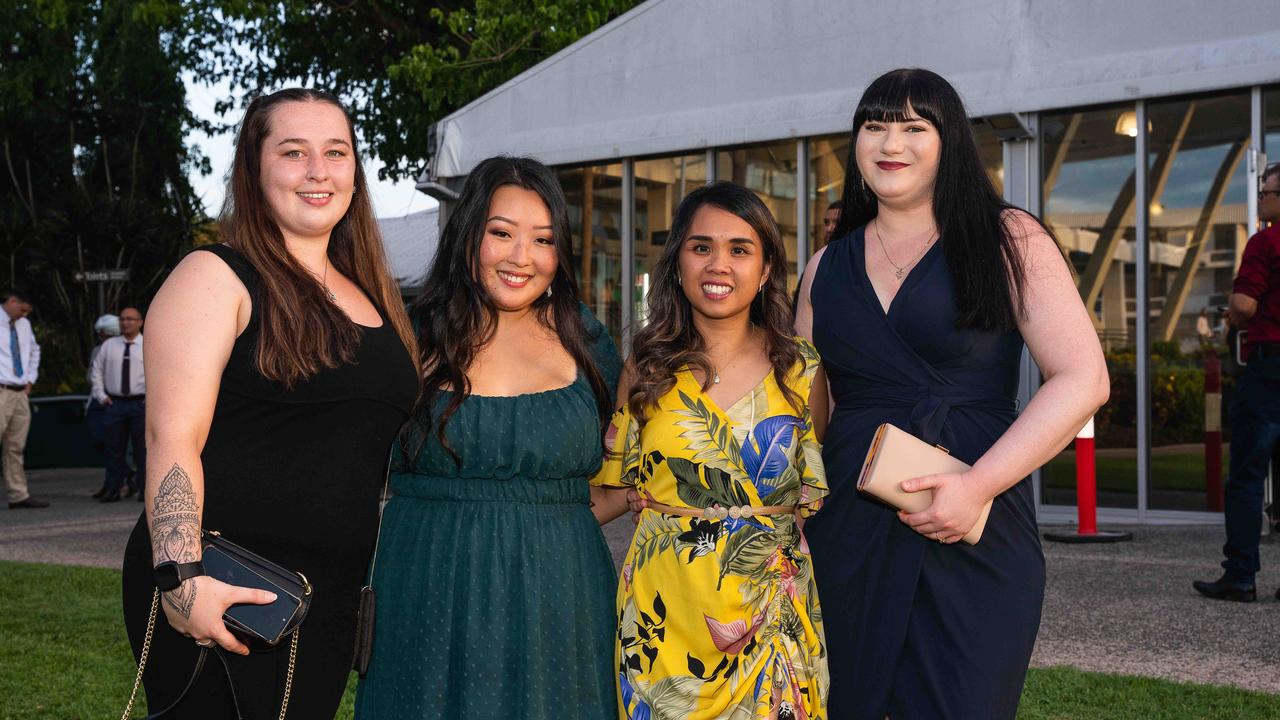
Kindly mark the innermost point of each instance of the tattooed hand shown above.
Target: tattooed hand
(196, 606)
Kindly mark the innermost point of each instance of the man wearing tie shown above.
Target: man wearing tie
(119, 384)
(19, 366)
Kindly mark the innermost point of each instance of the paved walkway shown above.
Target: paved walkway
(1123, 608)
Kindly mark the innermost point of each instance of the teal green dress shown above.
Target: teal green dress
(494, 585)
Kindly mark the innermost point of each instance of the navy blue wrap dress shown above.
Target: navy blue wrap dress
(915, 628)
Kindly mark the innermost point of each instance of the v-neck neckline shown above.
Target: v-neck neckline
(871, 287)
(724, 412)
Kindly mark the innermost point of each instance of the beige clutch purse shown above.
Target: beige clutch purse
(896, 455)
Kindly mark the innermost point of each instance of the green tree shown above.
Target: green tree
(401, 64)
(92, 124)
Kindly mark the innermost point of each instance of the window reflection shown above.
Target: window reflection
(828, 158)
(770, 171)
(594, 195)
(661, 183)
(1198, 201)
(1088, 184)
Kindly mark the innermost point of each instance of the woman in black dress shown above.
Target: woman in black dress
(279, 371)
(920, 311)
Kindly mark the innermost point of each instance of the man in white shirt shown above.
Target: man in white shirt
(119, 384)
(19, 367)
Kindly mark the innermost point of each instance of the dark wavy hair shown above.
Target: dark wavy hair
(302, 331)
(455, 316)
(670, 341)
(982, 253)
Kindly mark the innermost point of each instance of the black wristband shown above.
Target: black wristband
(169, 574)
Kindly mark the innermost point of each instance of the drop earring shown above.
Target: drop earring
(548, 291)
(864, 183)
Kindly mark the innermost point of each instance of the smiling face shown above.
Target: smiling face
(518, 257)
(721, 263)
(308, 168)
(899, 160)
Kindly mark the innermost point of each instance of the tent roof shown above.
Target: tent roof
(678, 75)
(410, 243)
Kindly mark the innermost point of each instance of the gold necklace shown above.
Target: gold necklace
(715, 372)
(900, 270)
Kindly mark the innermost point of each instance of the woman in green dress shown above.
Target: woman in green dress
(494, 584)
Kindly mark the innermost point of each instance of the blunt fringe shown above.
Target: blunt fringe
(456, 317)
(302, 331)
(670, 341)
(978, 239)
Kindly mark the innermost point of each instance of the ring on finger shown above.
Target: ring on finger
(207, 642)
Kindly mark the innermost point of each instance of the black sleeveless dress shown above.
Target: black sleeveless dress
(295, 476)
(914, 628)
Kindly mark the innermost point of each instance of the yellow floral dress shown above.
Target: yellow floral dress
(719, 618)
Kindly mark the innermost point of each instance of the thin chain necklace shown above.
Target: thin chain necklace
(900, 270)
(715, 372)
(324, 281)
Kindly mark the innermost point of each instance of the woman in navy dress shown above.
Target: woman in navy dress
(920, 312)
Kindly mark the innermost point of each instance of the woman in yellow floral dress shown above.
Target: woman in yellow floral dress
(718, 616)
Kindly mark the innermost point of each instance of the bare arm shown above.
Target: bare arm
(191, 328)
(1061, 338)
(609, 503)
(96, 387)
(823, 408)
(1241, 309)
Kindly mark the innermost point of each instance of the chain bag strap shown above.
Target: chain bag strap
(204, 653)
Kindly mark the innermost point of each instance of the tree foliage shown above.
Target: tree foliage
(403, 65)
(94, 164)
(94, 171)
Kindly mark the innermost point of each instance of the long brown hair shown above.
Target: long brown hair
(455, 315)
(670, 341)
(302, 331)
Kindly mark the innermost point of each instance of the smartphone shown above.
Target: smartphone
(266, 621)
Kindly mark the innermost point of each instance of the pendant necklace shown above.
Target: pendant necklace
(900, 270)
(715, 372)
(324, 281)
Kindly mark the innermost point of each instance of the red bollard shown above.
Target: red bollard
(1213, 431)
(1086, 481)
(1087, 497)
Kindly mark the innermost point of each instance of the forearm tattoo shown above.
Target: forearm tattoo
(175, 531)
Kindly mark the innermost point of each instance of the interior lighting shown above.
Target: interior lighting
(1127, 124)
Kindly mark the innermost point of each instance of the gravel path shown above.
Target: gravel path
(1122, 608)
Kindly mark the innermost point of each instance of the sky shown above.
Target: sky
(390, 199)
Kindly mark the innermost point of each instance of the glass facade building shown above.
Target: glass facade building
(1149, 187)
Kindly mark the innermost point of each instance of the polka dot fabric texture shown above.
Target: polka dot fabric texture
(494, 584)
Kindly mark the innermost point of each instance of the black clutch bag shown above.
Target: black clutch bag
(261, 627)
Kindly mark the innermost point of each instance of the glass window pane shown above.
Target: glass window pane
(594, 195)
(828, 157)
(1271, 121)
(991, 150)
(1198, 200)
(770, 171)
(1088, 180)
(661, 183)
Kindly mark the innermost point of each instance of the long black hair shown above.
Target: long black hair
(986, 263)
(670, 341)
(455, 316)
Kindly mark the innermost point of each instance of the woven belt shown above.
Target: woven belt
(720, 513)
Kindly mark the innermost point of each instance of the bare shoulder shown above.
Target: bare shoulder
(202, 290)
(203, 272)
(1040, 252)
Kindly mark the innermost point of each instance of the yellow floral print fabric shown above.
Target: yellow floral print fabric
(719, 618)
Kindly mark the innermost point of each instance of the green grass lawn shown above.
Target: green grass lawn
(1120, 474)
(64, 656)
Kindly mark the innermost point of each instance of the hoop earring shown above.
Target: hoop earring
(864, 183)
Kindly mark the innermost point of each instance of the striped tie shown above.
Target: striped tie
(15, 351)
